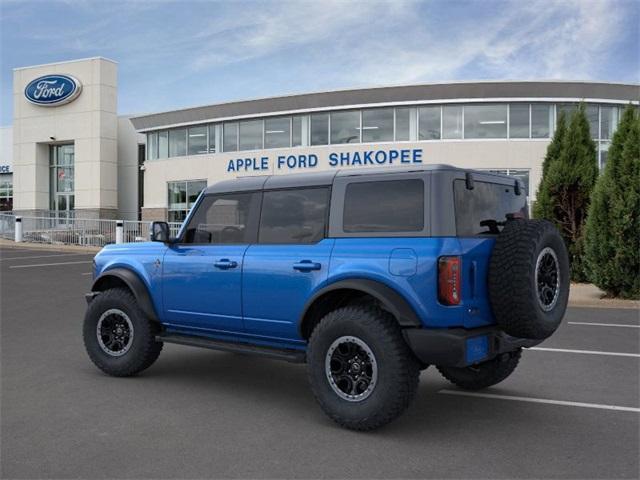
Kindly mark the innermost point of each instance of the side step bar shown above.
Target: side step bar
(289, 355)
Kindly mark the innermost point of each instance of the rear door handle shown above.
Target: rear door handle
(225, 264)
(306, 266)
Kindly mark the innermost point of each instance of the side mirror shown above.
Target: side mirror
(160, 232)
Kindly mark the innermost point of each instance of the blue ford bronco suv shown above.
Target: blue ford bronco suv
(367, 276)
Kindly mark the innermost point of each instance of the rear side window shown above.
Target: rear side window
(225, 219)
(486, 202)
(294, 216)
(384, 206)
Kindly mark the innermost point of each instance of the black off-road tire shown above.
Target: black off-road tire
(397, 369)
(483, 375)
(513, 291)
(143, 350)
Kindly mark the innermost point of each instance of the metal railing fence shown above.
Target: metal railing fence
(7, 226)
(78, 231)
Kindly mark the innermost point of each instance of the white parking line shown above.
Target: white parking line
(87, 273)
(588, 352)
(540, 400)
(604, 324)
(44, 256)
(48, 264)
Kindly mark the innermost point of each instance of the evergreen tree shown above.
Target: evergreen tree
(612, 236)
(543, 207)
(569, 181)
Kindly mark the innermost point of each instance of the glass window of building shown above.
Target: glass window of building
(277, 132)
(163, 144)
(181, 197)
(345, 127)
(519, 120)
(225, 219)
(429, 123)
(320, 129)
(230, 137)
(6, 192)
(251, 135)
(212, 138)
(294, 216)
(485, 121)
(608, 122)
(152, 146)
(61, 183)
(178, 142)
(568, 109)
(541, 120)
(604, 153)
(452, 121)
(197, 140)
(377, 125)
(384, 206)
(403, 124)
(296, 131)
(592, 116)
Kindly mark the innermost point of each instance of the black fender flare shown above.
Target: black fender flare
(392, 301)
(135, 284)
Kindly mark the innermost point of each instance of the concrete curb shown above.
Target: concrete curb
(588, 295)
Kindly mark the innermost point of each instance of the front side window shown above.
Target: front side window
(345, 127)
(429, 123)
(251, 135)
(178, 142)
(181, 197)
(230, 137)
(277, 132)
(486, 202)
(224, 219)
(320, 129)
(384, 206)
(519, 120)
(197, 140)
(485, 121)
(294, 216)
(377, 125)
(452, 121)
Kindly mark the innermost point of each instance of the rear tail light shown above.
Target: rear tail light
(449, 280)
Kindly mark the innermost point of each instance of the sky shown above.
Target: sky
(176, 54)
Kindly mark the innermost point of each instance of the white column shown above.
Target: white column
(119, 231)
(18, 230)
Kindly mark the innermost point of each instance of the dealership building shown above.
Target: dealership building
(69, 151)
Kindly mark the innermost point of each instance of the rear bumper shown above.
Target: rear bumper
(459, 347)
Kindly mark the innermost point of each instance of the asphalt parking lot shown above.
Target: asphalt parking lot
(203, 414)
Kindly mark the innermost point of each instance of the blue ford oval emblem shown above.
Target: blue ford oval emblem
(52, 90)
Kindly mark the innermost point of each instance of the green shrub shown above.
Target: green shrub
(566, 187)
(543, 207)
(612, 237)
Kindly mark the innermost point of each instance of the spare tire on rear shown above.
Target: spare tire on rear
(529, 278)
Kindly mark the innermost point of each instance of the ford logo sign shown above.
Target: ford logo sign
(53, 90)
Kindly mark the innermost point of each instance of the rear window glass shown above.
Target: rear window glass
(294, 216)
(487, 202)
(384, 206)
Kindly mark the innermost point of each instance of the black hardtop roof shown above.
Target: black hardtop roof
(317, 179)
